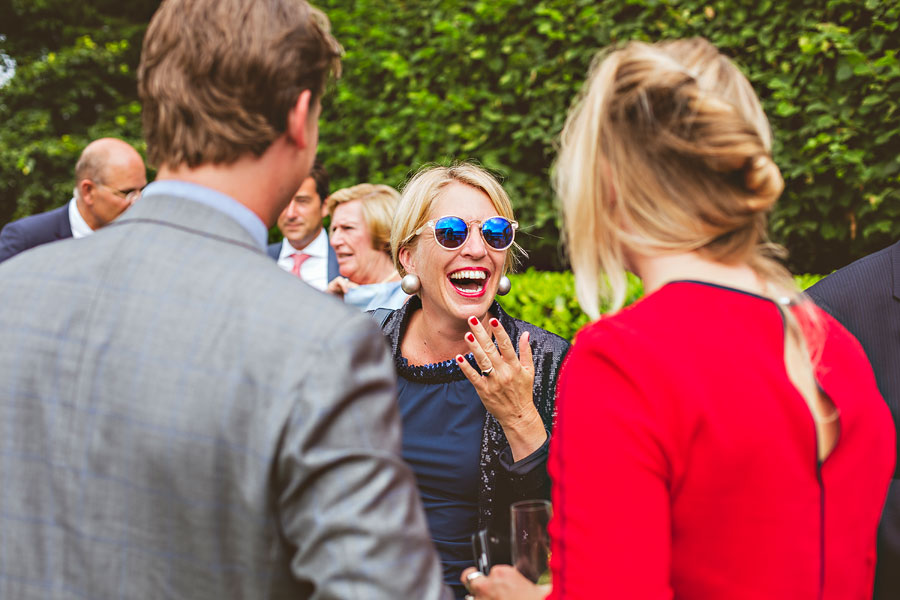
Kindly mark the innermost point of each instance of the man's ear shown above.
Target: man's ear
(296, 120)
(86, 189)
(404, 255)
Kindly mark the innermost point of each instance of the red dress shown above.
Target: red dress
(684, 461)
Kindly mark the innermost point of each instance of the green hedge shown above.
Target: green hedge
(492, 80)
(547, 299)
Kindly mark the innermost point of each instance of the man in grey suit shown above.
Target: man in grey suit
(164, 433)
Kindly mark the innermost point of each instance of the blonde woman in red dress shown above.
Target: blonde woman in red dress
(721, 438)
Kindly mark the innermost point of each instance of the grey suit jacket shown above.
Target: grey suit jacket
(165, 434)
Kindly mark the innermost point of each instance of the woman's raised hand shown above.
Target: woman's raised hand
(505, 384)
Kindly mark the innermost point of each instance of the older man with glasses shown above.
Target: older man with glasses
(109, 177)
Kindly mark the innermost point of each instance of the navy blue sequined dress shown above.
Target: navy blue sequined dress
(467, 485)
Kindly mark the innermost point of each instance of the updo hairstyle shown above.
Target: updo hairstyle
(667, 150)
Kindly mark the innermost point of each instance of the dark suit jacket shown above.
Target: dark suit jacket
(865, 298)
(333, 270)
(35, 230)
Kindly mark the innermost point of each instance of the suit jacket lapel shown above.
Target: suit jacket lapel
(895, 269)
(333, 269)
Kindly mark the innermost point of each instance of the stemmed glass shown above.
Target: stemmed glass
(530, 540)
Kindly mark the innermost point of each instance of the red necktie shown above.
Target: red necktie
(299, 259)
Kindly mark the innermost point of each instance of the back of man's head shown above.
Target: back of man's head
(218, 77)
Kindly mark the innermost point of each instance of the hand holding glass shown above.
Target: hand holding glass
(530, 540)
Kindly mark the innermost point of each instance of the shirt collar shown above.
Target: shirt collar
(317, 248)
(217, 200)
(80, 228)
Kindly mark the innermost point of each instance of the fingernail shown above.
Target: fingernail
(470, 337)
(527, 336)
(494, 323)
(473, 321)
(459, 358)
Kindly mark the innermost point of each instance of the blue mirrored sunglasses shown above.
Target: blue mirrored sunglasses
(451, 232)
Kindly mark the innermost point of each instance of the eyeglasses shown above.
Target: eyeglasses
(128, 195)
(451, 232)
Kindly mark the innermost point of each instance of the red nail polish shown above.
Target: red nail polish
(459, 358)
(473, 321)
(470, 337)
(495, 323)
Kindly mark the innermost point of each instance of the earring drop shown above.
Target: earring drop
(504, 286)
(410, 284)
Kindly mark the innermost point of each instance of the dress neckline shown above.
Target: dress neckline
(721, 286)
(442, 372)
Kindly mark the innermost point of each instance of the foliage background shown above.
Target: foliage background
(491, 80)
(547, 299)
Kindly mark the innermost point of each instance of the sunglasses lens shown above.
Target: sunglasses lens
(498, 233)
(451, 232)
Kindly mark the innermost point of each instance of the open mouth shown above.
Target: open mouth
(469, 282)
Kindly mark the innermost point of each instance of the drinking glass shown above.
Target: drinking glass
(530, 541)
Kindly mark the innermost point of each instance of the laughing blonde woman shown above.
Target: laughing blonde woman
(476, 386)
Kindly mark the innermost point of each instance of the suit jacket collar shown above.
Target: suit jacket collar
(188, 215)
(63, 225)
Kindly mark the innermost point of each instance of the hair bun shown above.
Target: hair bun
(762, 177)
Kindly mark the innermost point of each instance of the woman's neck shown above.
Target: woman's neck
(433, 337)
(656, 271)
(381, 270)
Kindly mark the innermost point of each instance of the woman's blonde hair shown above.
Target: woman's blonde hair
(420, 193)
(378, 203)
(667, 149)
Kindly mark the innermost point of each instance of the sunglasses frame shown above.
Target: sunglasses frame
(433, 222)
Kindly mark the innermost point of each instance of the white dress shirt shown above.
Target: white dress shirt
(80, 228)
(314, 270)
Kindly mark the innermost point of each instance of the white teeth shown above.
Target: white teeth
(475, 291)
(468, 275)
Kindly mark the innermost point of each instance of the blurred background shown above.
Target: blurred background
(491, 81)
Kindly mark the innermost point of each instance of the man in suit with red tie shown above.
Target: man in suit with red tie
(109, 177)
(305, 250)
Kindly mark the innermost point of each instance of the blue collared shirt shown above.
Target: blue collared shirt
(217, 200)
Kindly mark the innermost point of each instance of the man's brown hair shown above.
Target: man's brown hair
(320, 175)
(218, 77)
